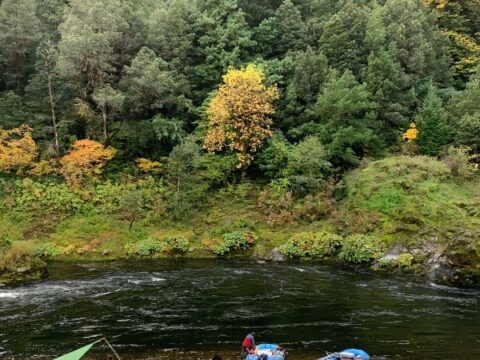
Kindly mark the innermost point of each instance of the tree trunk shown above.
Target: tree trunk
(106, 135)
(54, 117)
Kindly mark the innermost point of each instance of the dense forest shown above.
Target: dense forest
(192, 115)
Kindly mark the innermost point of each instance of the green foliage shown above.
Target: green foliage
(360, 248)
(405, 260)
(178, 244)
(433, 129)
(344, 110)
(13, 111)
(343, 36)
(460, 162)
(146, 247)
(46, 197)
(151, 86)
(312, 245)
(307, 165)
(282, 32)
(234, 241)
(468, 132)
(47, 250)
(19, 35)
(273, 158)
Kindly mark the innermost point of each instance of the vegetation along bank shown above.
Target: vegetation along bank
(339, 131)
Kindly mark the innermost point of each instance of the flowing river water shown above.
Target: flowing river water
(191, 309)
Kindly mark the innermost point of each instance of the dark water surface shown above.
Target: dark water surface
(188, 310)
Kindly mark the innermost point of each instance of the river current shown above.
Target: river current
(191, 309)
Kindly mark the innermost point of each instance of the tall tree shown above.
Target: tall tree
(432, 124)
(342, 39)
(239, 114)
(89, 35)
(459, 21)
(172, 30)
(19, 34)
(420, 47)
(282, 32)
(344, 112)
(386, 81)
(152, 86)
(109, 101)
(310, 74)
(223, 40)
(43, 89)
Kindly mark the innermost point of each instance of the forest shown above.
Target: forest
(324, 128)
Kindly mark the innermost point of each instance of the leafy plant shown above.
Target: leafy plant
(149, 246)
(360, 248)
(312, 245)
(234, 241)
(178, 244)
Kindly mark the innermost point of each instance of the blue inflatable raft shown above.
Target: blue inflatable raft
(267, 352)
(354, 354)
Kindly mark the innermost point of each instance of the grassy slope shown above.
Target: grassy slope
(401, 200)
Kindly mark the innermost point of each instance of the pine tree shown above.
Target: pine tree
(386, 80)
(344, 110)
(283, 32)
(223, 40)
(342, 39)
(152, 86)
(420, 47)
(19, 35)
(432, 124)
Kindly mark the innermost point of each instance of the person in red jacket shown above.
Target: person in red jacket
(248, 345)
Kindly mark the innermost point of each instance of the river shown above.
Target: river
(190, 309)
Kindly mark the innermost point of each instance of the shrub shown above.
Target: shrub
(360, 248)
(312, 245)
(46, 250)
(178, 244)
(86, 159)
(234, 241)
(405, 260)
(460, 162)
(17, 148)
(18, 253)
(46, 197)
(149, 246)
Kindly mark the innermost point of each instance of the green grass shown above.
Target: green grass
(398, 200)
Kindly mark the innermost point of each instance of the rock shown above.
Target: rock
(36, 269)
(275, 255)
(24, 269)
(392, 255)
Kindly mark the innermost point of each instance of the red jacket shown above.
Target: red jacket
(249, 342)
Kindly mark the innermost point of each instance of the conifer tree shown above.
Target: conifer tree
(432, 124)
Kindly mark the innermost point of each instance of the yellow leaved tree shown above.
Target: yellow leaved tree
(239, 113)
(411, 133)
(85, 159)
(17, 149)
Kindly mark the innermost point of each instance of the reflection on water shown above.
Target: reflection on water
(189, 310)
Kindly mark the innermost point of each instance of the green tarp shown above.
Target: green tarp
(77, 354)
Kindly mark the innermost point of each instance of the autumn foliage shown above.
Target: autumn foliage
(17, 148)
(86, 159)
(149, 166)
(239, 114)
(411, 133)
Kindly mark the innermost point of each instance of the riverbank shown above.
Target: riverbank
(401, 214)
